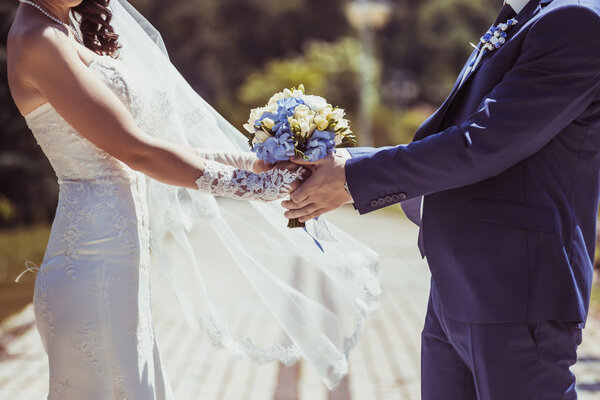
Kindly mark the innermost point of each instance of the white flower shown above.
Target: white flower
(306, 128)
(287, 93)
(302, 111)
(255, 114)
(316, 103)
(341, 125)
(336, 114)
(502, 40)
(294, 123)
(494, 40)
(321, 122)
(497, 34)
(503, 27)
(275, 98)
(338, 139)
(272, 108)
(249, 128)
(326, 111)
(261, 136)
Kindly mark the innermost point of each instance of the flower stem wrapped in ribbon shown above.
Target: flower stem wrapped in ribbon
(296, 124)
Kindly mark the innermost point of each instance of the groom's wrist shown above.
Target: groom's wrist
(346, 187)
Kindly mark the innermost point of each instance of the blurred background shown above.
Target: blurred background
(389, 64)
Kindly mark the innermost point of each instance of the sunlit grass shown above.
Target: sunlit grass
(17, 246)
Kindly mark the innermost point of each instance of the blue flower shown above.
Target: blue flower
(319, 145)
(276, 149)
(257, 123)
(282, 127)
(288, 105)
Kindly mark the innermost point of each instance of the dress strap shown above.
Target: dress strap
(28, 268)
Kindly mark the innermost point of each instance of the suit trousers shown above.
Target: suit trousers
(505, 361)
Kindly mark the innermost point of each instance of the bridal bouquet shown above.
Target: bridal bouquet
(296, 124)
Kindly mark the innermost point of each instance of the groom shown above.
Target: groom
(507, 170)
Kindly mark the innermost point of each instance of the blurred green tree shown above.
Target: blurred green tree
(27, 182)
(236, 53)
(331, 70)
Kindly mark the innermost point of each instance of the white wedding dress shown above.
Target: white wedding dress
(222, 258)
(92, 293)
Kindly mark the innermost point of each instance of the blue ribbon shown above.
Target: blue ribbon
(314, 239)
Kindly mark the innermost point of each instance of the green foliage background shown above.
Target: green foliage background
(236, 53)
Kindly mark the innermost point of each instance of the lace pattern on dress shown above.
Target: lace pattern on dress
(223, 180)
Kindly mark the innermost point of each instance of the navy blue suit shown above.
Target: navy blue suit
(508, 168)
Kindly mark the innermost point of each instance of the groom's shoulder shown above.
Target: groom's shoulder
(568, 22)
(585, 6)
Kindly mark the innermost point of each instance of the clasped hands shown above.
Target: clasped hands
(322, 191)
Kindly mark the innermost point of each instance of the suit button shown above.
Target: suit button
(374, 203)
(388, 199)
(381, 201)
(395, 198)
(402, 196)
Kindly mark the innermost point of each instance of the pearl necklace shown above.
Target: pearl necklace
(53, 18)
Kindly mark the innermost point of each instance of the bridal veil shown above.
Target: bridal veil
(228, 259)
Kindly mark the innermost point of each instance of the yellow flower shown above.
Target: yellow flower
(268, 123)
(321, 122)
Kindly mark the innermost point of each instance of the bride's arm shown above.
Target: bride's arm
(51, 65)
(241, 160)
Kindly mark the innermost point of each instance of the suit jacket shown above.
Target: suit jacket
(509, 170)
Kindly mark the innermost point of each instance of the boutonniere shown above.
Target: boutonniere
(496, 36)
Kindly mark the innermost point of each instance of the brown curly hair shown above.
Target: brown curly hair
(97, 33)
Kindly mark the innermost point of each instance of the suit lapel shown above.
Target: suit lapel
(531, 9)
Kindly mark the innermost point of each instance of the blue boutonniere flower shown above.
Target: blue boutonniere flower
(495, 37)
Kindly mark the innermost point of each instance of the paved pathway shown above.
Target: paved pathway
(385, 365)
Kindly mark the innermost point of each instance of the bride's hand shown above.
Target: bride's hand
(290, 166)
(262, 166)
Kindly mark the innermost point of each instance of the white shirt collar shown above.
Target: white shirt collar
(517, 5)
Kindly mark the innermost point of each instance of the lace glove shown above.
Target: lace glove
(226, 181)
(239, 160)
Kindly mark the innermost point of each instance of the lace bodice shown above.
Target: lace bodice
(72, 156)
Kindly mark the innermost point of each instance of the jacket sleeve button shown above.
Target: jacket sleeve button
(402, 196)
(381, 201)
(374, 203)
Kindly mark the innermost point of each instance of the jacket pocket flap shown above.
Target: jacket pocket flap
(513, 213)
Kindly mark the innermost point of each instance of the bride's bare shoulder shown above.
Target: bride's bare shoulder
(31, 41)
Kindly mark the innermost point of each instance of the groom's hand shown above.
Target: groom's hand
(324, 191)
(261, 166)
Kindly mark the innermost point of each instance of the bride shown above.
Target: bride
(139, 157)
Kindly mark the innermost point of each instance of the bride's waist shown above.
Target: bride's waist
(102, 180)
(98, 199)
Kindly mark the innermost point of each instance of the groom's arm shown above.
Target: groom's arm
(553, 81)
(364, 151)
